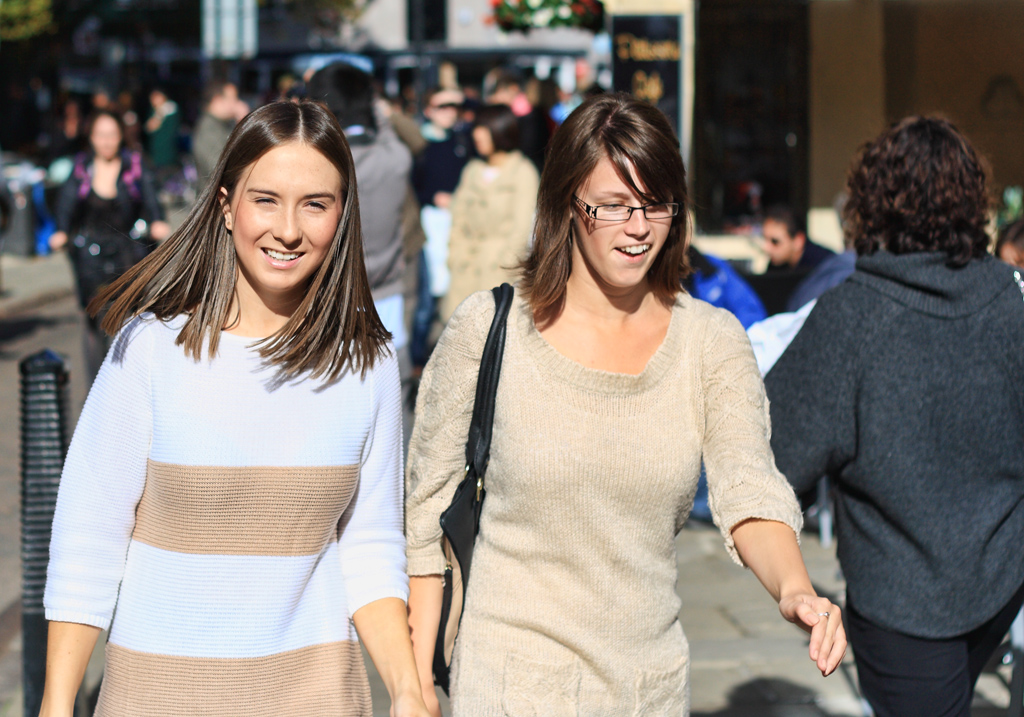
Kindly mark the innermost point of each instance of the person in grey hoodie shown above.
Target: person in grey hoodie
(383, 165)
(904, 386)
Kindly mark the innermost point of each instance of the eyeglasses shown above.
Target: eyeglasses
(446, 106)
(623, 212)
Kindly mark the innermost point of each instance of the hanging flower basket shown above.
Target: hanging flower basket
(525, 15)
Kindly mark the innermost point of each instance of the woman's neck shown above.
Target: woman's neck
(259, 314)
(498, 159)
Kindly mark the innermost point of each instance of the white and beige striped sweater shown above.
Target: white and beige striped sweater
(235, 524)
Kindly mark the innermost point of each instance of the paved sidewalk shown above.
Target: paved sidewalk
(27, 283)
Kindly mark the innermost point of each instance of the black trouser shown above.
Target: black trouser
(904, 676)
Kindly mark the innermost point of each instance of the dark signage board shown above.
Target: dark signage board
(647, 61)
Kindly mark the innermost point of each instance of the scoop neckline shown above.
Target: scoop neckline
(595, 380)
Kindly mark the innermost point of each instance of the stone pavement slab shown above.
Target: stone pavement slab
(30, 282)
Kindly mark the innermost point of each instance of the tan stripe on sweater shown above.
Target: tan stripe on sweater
(243, 511)
(320, 680)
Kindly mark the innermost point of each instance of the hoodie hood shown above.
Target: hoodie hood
(925, 282)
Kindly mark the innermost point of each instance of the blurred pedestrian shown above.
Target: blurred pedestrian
(904, 387)
(222, 109)
(435, 176)
(492, 209)
(1010, 245)
(230, 506)
(534, 126)
(382, 165)
(132, 127)
(713, 280)
(109, 211)
(786, 244)
(162, 130)
(614, 384)
(67, 136)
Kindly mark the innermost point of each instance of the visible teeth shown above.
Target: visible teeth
(635, 250)
(280, 256)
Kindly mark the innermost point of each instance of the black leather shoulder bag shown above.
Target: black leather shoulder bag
(460, 522)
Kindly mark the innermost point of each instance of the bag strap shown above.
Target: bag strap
(478, 446)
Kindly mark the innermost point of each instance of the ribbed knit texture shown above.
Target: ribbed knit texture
(571, 607)
(235, 523)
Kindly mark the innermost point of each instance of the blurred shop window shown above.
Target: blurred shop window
(751, 112)
(432, 14)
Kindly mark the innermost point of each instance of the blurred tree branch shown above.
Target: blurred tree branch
(25, 19)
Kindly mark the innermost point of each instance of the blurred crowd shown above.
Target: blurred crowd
(448, 185)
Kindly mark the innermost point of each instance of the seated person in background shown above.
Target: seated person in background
(1010, 245)
(786, 242)
(713, 280)
(831, 272)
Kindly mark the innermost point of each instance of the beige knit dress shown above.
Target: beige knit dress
(572, 608)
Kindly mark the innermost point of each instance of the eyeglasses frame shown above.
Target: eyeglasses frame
(591, 211)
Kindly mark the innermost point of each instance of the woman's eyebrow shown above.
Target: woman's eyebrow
(613, 195)
(272, 193)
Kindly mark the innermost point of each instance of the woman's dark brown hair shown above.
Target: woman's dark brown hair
(918, 187)
(501, 122)
(90, 122)
(635, 137)
(334, 329)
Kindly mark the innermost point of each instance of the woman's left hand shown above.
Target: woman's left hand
(824, 621)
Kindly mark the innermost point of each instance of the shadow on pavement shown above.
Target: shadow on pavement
(769, 697)
(15, 328)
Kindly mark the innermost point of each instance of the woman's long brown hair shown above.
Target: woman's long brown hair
(334, 329)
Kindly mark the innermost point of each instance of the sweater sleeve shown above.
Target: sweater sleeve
(101, 485)
(743, 481)
(437, 450)
(812, 387)
(370, 542)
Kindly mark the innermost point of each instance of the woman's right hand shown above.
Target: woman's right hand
(426, 594)
(69, 646)
(58, 240)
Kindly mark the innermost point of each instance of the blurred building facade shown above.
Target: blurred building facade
(787, 90)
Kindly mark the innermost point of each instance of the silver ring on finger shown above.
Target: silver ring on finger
(822, 614)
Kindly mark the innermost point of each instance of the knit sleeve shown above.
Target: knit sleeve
(743, 481)
(813, 391)
(371, 543)
(101, 485)
(437, 450)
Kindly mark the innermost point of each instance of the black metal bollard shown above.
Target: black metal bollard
(44, 443)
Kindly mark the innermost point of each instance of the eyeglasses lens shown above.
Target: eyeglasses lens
(619, 212)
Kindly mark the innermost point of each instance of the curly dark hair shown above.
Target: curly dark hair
(919, 186)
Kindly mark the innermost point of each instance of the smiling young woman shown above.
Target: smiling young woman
(615, 385)
(233, 487)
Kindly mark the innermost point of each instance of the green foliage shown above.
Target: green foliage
(25, 19)
(1012, 207)
(525, 15)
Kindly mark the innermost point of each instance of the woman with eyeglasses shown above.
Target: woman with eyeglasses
(615, 383)
(492, 209)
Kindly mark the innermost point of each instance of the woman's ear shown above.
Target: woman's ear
(225, 207)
